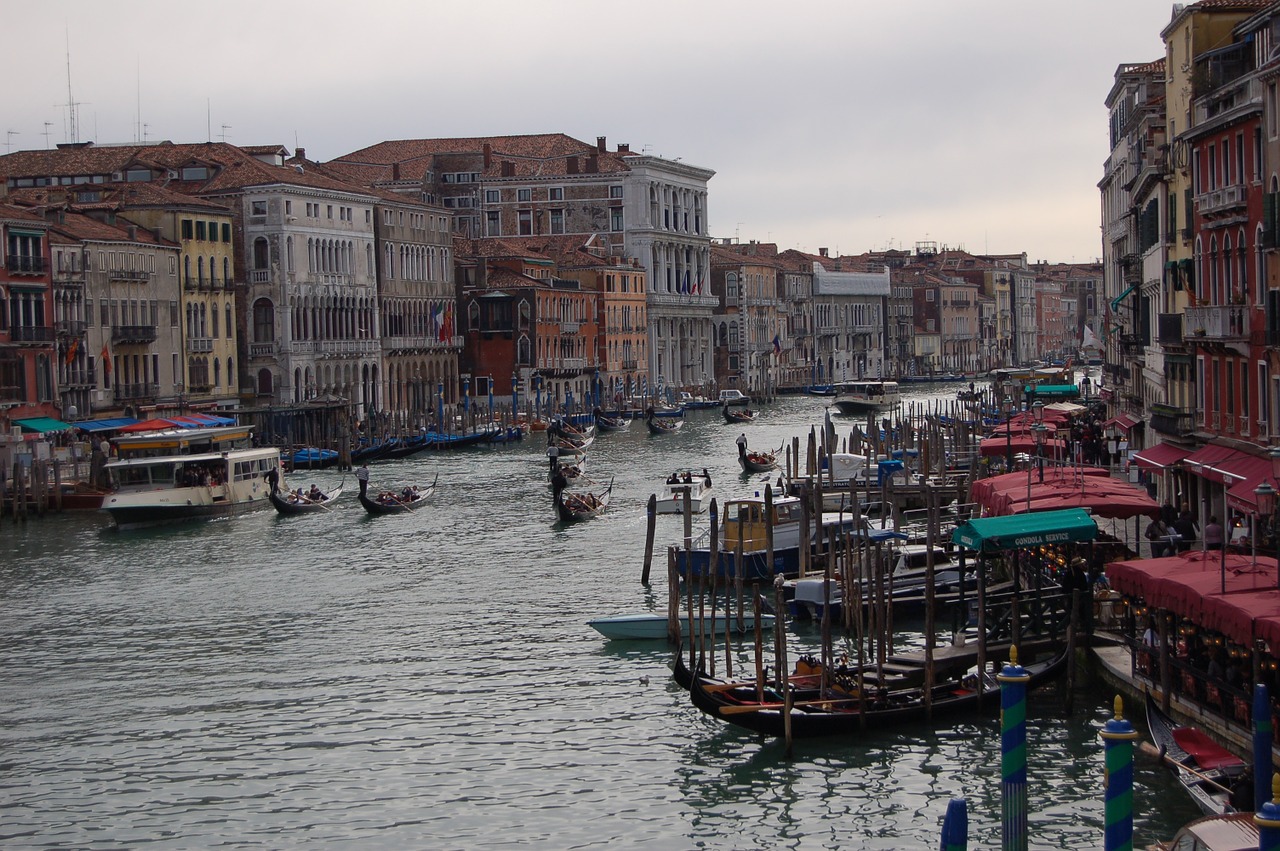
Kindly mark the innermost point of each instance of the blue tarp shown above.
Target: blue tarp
(105, 425)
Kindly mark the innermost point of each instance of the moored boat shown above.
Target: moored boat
(298, 502)
(734, 397)
(402, 502)
(313, 458)
(1230, 832)
(185, 474)
(650, 625)
(1204, 768)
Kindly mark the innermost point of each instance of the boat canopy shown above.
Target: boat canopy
(996, 534)
(41, 425)
(1055, 391)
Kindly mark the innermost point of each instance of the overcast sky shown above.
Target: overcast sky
(850, 125)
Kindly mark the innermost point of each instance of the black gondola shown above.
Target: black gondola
(738, 415)
(305, 505)
(393, 503)
(843, 712)
(573, 506)
(1209, 770)
(757, 462)
(662, 425)
(607, 423)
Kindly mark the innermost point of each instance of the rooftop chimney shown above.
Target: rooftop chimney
(822, 252)
(624, 147)
(300, 153)
(395, 171)
(593, 164)
(600, 145)
(571, 165)
(488, 155)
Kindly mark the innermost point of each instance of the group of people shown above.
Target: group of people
(687, 478)
(312, 495)
(1174, 532)
(408, 494)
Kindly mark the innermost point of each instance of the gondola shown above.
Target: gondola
(662, 425)
(738, 415)
(1205, 759)
(394, 503)
(757, 462)
(373, 451)
(607, 423)
(572, 506)
(405, 447)
(844, 711)
(306, 505)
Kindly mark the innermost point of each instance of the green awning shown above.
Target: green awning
(1115, 302)
(1057, 391)
(40, 425)
(1020, 531)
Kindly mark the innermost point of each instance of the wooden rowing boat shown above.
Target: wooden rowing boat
(1213, 769)
(396, 503)
(573, 506)
(305, 505)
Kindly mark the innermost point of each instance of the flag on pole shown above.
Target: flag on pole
(106, 360)
(71, 351)
(777, 345)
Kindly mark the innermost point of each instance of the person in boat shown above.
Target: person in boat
(687, 478)
(706, 477)
(296, 496)
(315, 494)
(742, 444)
(673, 479)
(273, 479)
(362, 476)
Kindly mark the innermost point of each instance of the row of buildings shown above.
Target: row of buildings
(1191, 275)
(157, 278)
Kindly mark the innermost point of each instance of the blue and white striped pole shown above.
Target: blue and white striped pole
(1118, 736)
(1013, 681)
(955, 826)
(1262, 739)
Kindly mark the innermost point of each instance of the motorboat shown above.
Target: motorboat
(696, 484)
(861, 397)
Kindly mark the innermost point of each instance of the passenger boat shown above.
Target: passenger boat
(662, 425)
(572, 506)
(744, 520)
(571, 470)
(689, 402)
(572, 446)
(297, 503)
(757, 462)
(651, 625)
(905, 582)
(860, 397)
(738, 415)
(820, 390)
(846, 708)
(184, 474)
(404, 502)
(734, 397)
(698, 486)
(1204, 768)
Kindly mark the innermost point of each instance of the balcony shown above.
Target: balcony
(20, 265)
(1217, 323)
(70, 327)
(629, 364)
(259, 276)
(128, 275)
(199, 345)
(262, 350)
(573, 363)
(133, 334)
(570, 328)
(34, 334)
(134, 392)
(1221, 201)
(1176, 422)
(683, 300)
(203, 285)
(78, 378)
(1132, 345)
(1169, 329)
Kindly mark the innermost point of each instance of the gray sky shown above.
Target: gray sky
(851, 125)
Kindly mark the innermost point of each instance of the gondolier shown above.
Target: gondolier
(742, 444)
(362, 476)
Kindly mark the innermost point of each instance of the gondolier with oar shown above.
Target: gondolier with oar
(362, 476)
(742, 445)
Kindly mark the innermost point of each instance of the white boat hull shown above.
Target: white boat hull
(651, 626)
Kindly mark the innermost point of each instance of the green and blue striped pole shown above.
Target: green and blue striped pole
(1013, 754)
(1118, 736)
(1267, 818)
(955, 826)
(1262, 736)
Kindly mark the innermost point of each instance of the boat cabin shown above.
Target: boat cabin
(745, 521)
(192, 441)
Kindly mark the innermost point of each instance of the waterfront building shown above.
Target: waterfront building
(645, 208)
(27, 348)
(750, 333)
(76, 380)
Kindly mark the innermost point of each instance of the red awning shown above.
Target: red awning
(1205, 460)
(1244, 475)
(1124, 422)
(1022, 444)
(1064, 487)
(1157, 458)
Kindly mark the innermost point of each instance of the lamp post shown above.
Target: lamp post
(1039, 430)
(1007, 407)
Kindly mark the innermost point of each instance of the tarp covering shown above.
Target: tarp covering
(996, 534)
(105, 425)
(1124, 422)
(1190, 586)
(1091, 488)
(1023, 444)
(1204, 461)
(41, 425)
(1056, 391)
(1244, 476)
(1065, 408)
(1160, 456)
(149, 425)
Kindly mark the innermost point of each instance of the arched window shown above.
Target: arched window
(473, 316)
(264, 382)
(228, 320)
(231, 373)
(217, 373)
(186, 269)
(264, 321)
(200, 269)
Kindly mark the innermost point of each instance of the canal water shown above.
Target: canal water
(429, 681)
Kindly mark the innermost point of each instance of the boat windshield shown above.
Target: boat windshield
(158, 475)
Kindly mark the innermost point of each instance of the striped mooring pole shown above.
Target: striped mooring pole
(955, 826)
(1013, 754)
(1118, 737)
(1267, 818)
(1262, 739)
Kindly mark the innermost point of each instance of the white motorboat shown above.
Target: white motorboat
(860, 397)
(184, 474)
(650, 625)
(697, 485)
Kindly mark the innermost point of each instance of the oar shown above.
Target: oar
(313, 502)
(1151, 750)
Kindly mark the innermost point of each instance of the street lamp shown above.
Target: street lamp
(1040, 431)
(1007, 407)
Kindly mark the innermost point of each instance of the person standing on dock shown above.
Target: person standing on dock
(362, 476)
